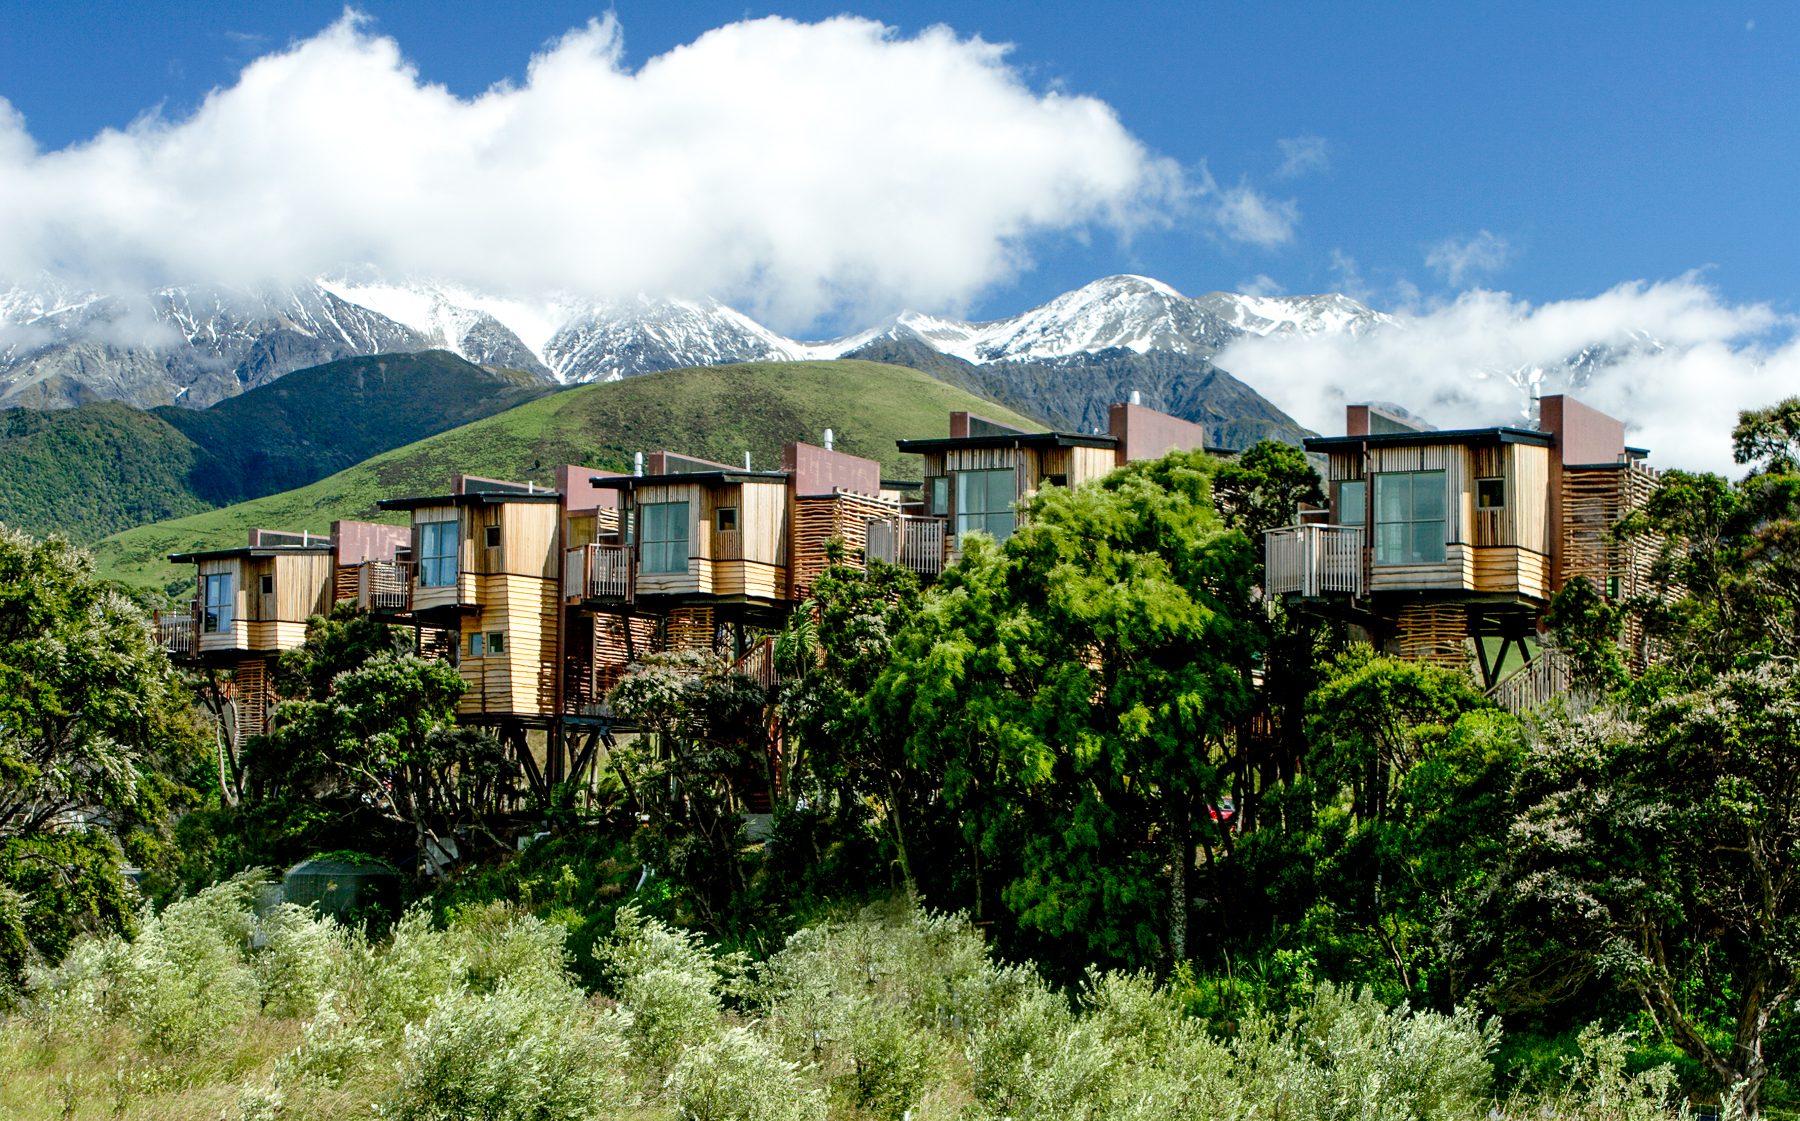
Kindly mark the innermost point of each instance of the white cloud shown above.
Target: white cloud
(792, 169)
(1455, 260)
(1679, 364)
(1262, 284)
(1302, 154)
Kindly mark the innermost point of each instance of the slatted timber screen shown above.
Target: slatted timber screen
(612, 653)
(690, 630)
(1433, 633)
(1594, 501)
(819, 519)
(251, 686)
(344, 581)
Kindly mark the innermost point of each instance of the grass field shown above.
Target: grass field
(716, 412)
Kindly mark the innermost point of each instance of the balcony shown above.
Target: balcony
(179, 632)
(912, 543)
(596, 572)
(1313, 560)
(384, 587)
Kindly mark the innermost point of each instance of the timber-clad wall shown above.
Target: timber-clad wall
(522, 680)
(1433, 633)
(817, 520)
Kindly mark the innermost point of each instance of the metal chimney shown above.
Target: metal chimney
(828, 439)
(638, 465)
(746, 461)
(1136, 397)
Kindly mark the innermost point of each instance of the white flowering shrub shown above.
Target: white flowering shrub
(189, 974)
(396, 985)
(669, 981)
(738, 1076)
(298, 956)
(500, 941)
(519, 1053)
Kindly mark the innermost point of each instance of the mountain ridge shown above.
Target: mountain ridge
(61, 347)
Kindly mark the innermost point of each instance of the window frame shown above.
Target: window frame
(496, 643)
(477, 644)
(265, 584)
(217, 614)
(665, 555)
(1501, 480)
(999, 524)
(1415, 526)
(719, 513)
(431, 564)
(490, 536)
(937, 496)
(1361, 505)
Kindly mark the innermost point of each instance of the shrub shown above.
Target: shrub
(516, 1054)
(188, 976)
(299, 955)
(669, 981)
(891, 1061)
(737, 1076)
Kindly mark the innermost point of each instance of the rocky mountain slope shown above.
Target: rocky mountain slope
(95, 469)
(1061, 363)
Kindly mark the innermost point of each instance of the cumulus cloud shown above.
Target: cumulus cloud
(1454, 260)
(793, 169)
(1302, 154)
(1673, 360)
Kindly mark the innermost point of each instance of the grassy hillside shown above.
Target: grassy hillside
(717, 412)
(91, 471)
(98, 469)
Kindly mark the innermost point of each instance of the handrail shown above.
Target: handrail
(1546, 676)
(383, 585)
(597, 572)
(758, 663)
(179, 633)
(1313, 560)
(912, 542)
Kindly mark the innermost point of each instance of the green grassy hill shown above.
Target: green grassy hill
(717, 412)
(101, 468)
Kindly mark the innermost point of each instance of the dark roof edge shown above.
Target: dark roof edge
(632, 482)
(1425, 439)
(254, 551)
(1027, 439)
(479, 498)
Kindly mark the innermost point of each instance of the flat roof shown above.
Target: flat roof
(1023, 439)
(721, 478)
(1426, 439)
(479, 498)
(254, 551)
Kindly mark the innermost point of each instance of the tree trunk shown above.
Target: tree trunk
(1180, 830)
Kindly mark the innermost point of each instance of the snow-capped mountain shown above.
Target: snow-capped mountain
(190, 345)
(1063, 360)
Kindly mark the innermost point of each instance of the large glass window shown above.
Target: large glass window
(1352, 500)
(1409, 517)
(984, 503)
(437, 554)
(664, 526)
(218, 603)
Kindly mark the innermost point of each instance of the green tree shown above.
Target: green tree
(1663, 853)
(1074, 687)
(1263, 488)
(94, 739)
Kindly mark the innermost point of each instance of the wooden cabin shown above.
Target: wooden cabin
(1432, 538)
(976, 475)
(250, 604)
(693, 554)
(482, 570)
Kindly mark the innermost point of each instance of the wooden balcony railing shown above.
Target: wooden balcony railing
(597, 572)
(384, 586)
(179, 632)
(912, 543)
(758, 663)
(1313, 560)
(1548, 675)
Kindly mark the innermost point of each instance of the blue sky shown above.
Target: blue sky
(1596, 144)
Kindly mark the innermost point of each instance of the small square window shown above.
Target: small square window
(493, 537)
(726, 519)
(475, 645)
(268, 585)
(496, 642)
(1490, 494)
